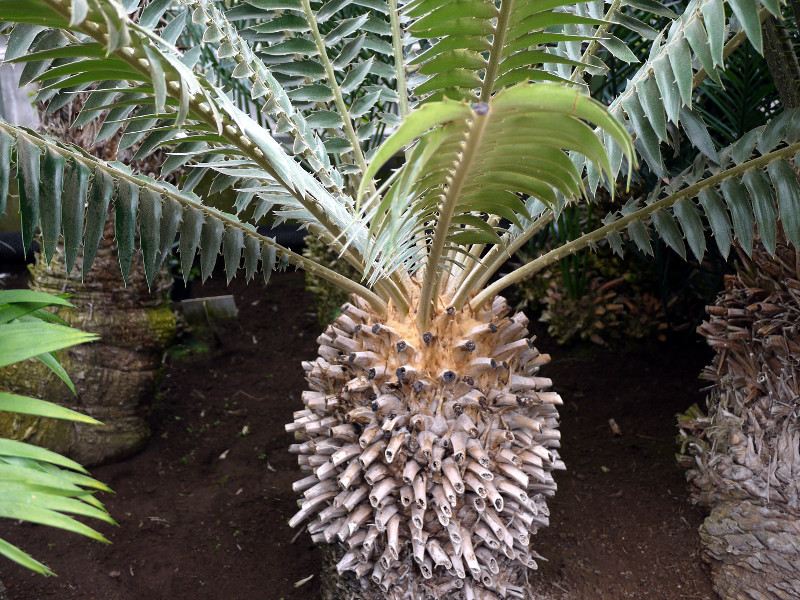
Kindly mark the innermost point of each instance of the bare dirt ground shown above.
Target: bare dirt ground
(203, 510)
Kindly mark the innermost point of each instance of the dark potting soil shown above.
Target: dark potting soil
(203, 510)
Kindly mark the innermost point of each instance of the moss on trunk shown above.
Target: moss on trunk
(116, 377)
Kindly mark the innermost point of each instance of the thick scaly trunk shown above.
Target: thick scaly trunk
(744, 457)
(115, 377)
(429, 456)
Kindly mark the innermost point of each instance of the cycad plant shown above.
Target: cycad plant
(428, 437)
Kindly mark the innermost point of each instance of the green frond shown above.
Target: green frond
(661, 91)
(482, 172)
(161, 210)
(37, 485)
(736, 193)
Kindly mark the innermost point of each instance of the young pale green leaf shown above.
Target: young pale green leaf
(50, 201)
(22, 340)
(125, 208)
(51, 362)
(421, 120)
(739, 204)
(40, 408)
(11, 552)
(718, 218)
(758, 186)
(33, 514)
(22, 450)
(787, 189)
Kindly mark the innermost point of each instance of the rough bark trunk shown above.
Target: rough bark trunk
(115, 377)
(744, 456)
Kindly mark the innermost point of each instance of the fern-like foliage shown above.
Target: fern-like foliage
(327, 82)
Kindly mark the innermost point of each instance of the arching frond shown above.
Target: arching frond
(692, 47)
(69, 193)
(470, 168)
(736, 193)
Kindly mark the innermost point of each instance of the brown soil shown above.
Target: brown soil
(203, 511)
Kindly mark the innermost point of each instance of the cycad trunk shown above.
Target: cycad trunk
(745, 455)
(115, 377)
(429, 455)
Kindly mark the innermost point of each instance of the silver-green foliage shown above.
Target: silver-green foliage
(330, 78)
(37, 485)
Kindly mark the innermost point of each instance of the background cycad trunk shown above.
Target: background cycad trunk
(744, 456)
(115, 377)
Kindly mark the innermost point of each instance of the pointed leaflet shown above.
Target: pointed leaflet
(210, 240)
(692, 227)
(150, 232)
(232, 242)
(680, 59)
(698, 134)
(125, 209)
(76, 187)
(641, 235)
(267, 261)
(50, 201)
(190, 239)
(696, 36)
(757, 184)
(718, 218)
(96, 214)
(650, 98)
(784, 179)
(739, 204)
(668, 230)
(665, 79)
(171, 216)
(252, 252)
(644, 133)
(747, 13)
(714, 19)
(28, 155)
(6, 142)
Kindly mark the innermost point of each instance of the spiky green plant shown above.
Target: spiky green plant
(37, 485)
(428, 437)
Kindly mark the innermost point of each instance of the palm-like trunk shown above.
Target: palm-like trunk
(430, 456)
(744, 456)
(115, 378)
